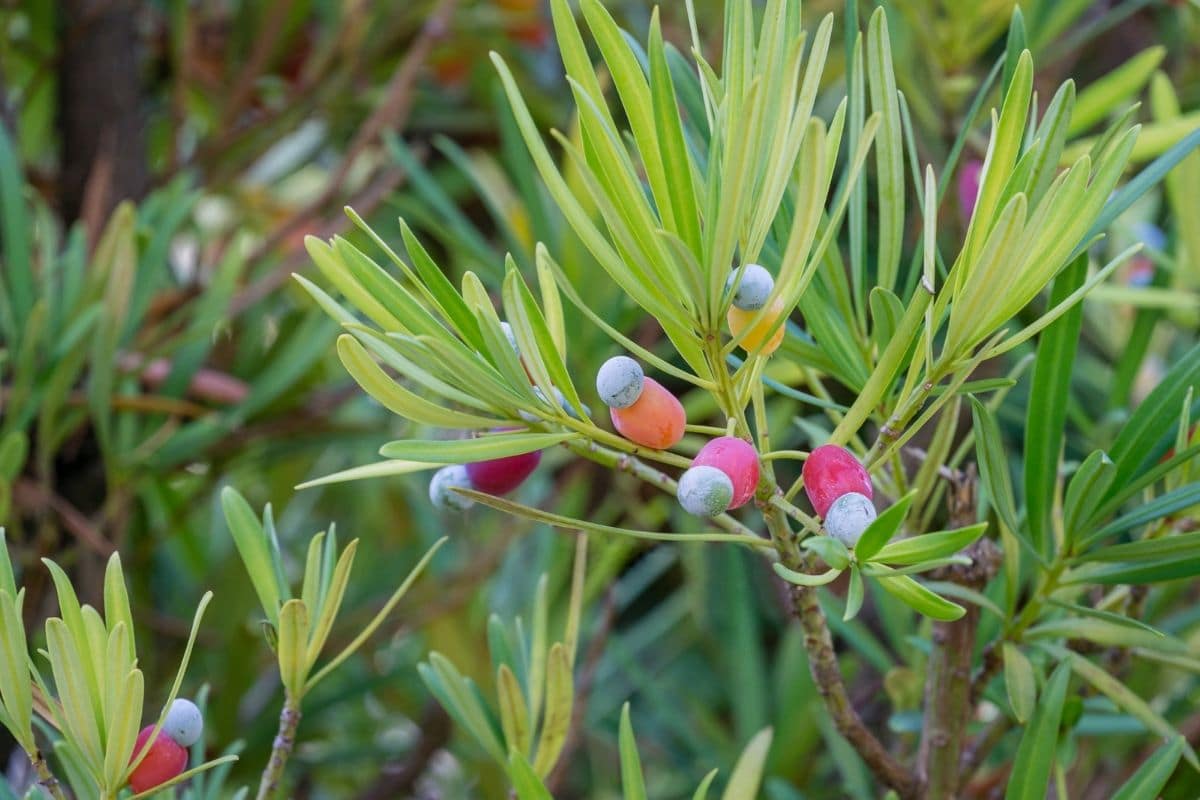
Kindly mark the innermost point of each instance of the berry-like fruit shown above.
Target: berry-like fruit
(656, 420)
(830, 472)
(502, 475)
(619, 382)
(737, 459)
(757, 332)
(184, 722)
(443, 481)
(705, 491)
(848, 517)
(165, 760)
(754, 289)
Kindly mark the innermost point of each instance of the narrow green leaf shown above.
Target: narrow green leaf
(462, 451)
(1114, 89)
(251, 543)
(116, 604)
(633, 784)
(1153, 774)
(15, 693)
(514, 713)
(382, 469)
(1123, 697)
(929, 546)
(526, 783)
(889, 150)
(395, 397)
(1019, 681)
(1084, 492)
(805, 578)
(831, 550)
(993, 466)
(854, 595)
(378, 619)
(330, 607)
(1185, 545)
(883, 528)
(1164, 505)
(556, 722)
(921, 599)
(293, 636)
(748, 772)
(1039, 743)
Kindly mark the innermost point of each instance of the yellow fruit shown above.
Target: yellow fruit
(757, 333)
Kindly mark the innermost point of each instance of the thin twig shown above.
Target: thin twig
(46, 778)
(285, 740)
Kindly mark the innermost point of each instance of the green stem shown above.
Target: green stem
(285, 740)
(46, 778)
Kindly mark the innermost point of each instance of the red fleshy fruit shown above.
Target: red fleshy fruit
(655, 420)
(164, 761)
(830, 472)
(737, 459)
(502, 475)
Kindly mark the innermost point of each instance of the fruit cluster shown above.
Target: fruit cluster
(723, 475)
(166, 756)
(839, 489)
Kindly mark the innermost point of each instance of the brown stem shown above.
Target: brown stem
(947, 705)
(827, 675)
(285, 740)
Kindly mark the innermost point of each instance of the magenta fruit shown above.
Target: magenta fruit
(738, 459)
(830, 472)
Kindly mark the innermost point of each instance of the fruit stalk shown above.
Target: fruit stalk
(285, 740)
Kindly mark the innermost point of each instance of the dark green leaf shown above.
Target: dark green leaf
(1039, 744)
(1047, 413)
(885, 526)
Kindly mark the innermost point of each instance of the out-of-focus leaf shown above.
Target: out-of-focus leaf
(557, 720)
(1153, 774)
(748, 772)
(633, 784)
(1114, 89)
(525, 781)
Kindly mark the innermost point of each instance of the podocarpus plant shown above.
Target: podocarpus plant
(297, 628)
(95, 705)
(723, 169)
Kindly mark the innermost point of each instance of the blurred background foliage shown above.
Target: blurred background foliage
(160, 164)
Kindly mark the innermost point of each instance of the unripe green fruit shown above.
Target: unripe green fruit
(705, 491)
(848, 517)
(619, 382)
(754, 289)
(184, 722)
(446, 479)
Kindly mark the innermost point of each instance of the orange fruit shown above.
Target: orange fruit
(655, 420)
(757, 333)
